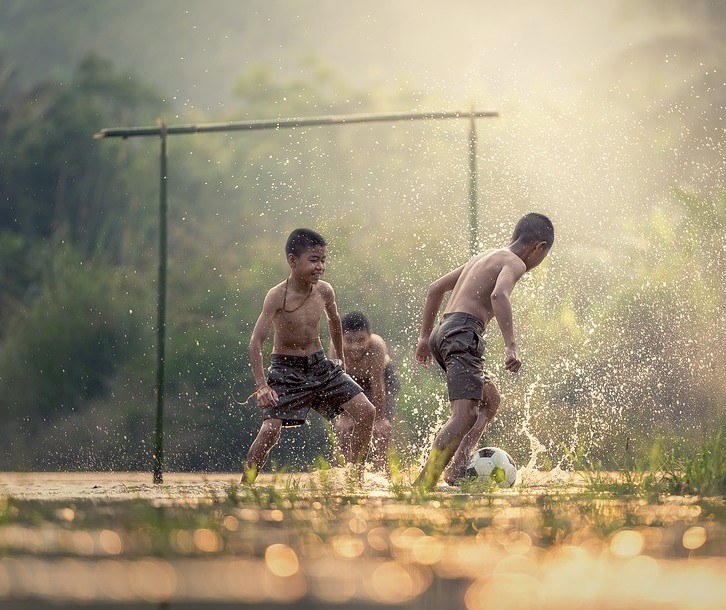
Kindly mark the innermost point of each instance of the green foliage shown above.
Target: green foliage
(56, 180)
(59, 350)
(704, 472)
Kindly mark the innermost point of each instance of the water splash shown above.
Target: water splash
(535, 446)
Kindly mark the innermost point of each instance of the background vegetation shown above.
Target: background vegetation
(621, 330)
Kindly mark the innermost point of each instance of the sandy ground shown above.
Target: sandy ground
(369, 558)
(181, 486)
(113, 485)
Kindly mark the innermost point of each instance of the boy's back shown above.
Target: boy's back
(472, 292)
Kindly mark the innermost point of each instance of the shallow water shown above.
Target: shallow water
(318, 540)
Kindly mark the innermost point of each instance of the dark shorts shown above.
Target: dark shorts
(307, 382)
(457, 344)
(392, 386)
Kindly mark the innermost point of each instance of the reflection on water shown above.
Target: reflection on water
(317, 547)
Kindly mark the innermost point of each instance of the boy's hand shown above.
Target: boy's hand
(423, 353)
(266, 397)
(511, 360)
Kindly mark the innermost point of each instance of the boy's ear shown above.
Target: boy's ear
(291, 260)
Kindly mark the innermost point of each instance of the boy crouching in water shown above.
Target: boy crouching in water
(369, 364)
(300, 376)
(480, 291)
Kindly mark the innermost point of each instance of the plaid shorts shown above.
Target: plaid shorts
(308, 382)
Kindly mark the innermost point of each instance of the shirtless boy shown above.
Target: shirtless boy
(368, 362)
(300, 376)
(480, 291)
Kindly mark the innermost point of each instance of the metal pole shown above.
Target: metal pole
(161, 313)
(342, 119)
(473, 203)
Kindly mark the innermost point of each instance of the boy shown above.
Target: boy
(480, 291)
(300, 376)
(369, 364)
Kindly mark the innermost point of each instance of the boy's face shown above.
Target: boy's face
(355, 342)
(310, 265)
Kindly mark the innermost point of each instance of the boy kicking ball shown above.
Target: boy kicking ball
(480, 290)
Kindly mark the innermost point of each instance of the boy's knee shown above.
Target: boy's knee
(362, 409)
(465, 412)
(344, 424)
(490, 400)
(272, 429)
(383, 427)
(369, 410)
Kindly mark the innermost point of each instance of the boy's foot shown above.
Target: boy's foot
(454, 479)
(354, 472)
(248, 476)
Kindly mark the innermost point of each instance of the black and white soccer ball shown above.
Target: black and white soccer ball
(492, 464)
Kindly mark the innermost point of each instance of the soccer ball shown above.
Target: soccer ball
(492, 464)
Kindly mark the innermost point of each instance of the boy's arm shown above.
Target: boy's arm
(502, 308)
(266, 396)
(378, 383)
(432, 303)
(336, 331)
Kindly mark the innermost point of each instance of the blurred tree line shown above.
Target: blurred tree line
(621, 330)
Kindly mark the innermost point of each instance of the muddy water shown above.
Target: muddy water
(318, 540)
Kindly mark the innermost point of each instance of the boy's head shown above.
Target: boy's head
(356, 333)
(534, 227)
(537, 233)
(303, 239)
(306, 251)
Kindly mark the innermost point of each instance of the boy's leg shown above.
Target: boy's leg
(487, 410)
(383, 426)
(380, 441)
(343, 426)
(464, 414)
(357, 421)
(266, 439)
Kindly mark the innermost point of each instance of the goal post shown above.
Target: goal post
(163, 131)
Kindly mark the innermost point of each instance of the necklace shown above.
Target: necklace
(284, 298)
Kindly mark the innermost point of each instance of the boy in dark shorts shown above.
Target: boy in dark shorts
(480, 291)
(300, 376)
(369, 364)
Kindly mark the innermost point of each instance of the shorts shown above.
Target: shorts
(457, 344)
(307, 382)
(392, 387)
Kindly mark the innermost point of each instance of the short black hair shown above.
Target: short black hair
(303, 239)
(354, 321)
(534, 227)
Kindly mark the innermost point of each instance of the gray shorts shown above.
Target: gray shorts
(392, 386)
(457, 344)
(307, 382)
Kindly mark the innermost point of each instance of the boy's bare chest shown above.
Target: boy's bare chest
(307, 315)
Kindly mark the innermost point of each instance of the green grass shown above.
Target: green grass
(704, 473)
(664, 470)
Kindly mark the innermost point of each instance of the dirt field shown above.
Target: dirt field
(115, 540)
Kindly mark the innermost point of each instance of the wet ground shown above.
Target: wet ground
(115, 540)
